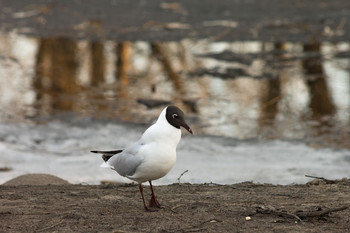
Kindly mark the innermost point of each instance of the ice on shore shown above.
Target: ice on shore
(62, 149)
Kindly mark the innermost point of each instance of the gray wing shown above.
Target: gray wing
(126, 162)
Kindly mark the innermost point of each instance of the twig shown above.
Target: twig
(199, 227)
(175, 207)
(178, 179)
(272, 210)
(192, 229)
(319, 213)
(49, 227)
(316, 177)
(298, 215)
(322, 178)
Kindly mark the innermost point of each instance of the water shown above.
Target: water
(62, 149)
(267, 112)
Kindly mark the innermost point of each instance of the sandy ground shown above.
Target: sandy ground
(319, 206)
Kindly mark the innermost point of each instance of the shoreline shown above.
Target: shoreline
(318, 206)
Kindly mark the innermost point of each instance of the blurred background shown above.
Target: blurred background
(265, 86)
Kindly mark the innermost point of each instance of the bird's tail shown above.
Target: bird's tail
(106, 155)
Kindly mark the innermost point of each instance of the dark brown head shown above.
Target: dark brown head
(176, 118)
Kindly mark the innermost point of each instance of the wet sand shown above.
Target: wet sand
(319, 206)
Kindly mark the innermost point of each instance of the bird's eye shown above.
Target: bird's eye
(174, 115)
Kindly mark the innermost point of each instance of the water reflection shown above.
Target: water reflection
(97, 72)
(55, 81)
(236, 89)
(320, 100)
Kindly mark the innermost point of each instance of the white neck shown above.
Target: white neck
(162, 131)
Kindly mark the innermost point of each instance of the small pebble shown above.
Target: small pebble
(248, 218)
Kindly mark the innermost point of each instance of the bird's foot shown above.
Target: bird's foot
(154, 203)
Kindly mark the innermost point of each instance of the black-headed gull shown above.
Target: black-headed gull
(153, 155)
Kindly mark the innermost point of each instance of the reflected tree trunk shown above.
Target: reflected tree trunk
(123, 50)
(182, 55)
(123, 62)
(42, 69)
(97, 71)
(159, 51)
(321, 102)
(271, 97)
(56, 69)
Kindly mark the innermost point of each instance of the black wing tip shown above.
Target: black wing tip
(112, 152)
(106, 157)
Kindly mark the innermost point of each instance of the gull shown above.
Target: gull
(153, 155)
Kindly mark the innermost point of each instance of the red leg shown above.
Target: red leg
(143, 198)
(153, 202)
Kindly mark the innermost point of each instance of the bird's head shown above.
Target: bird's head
(176, 118)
